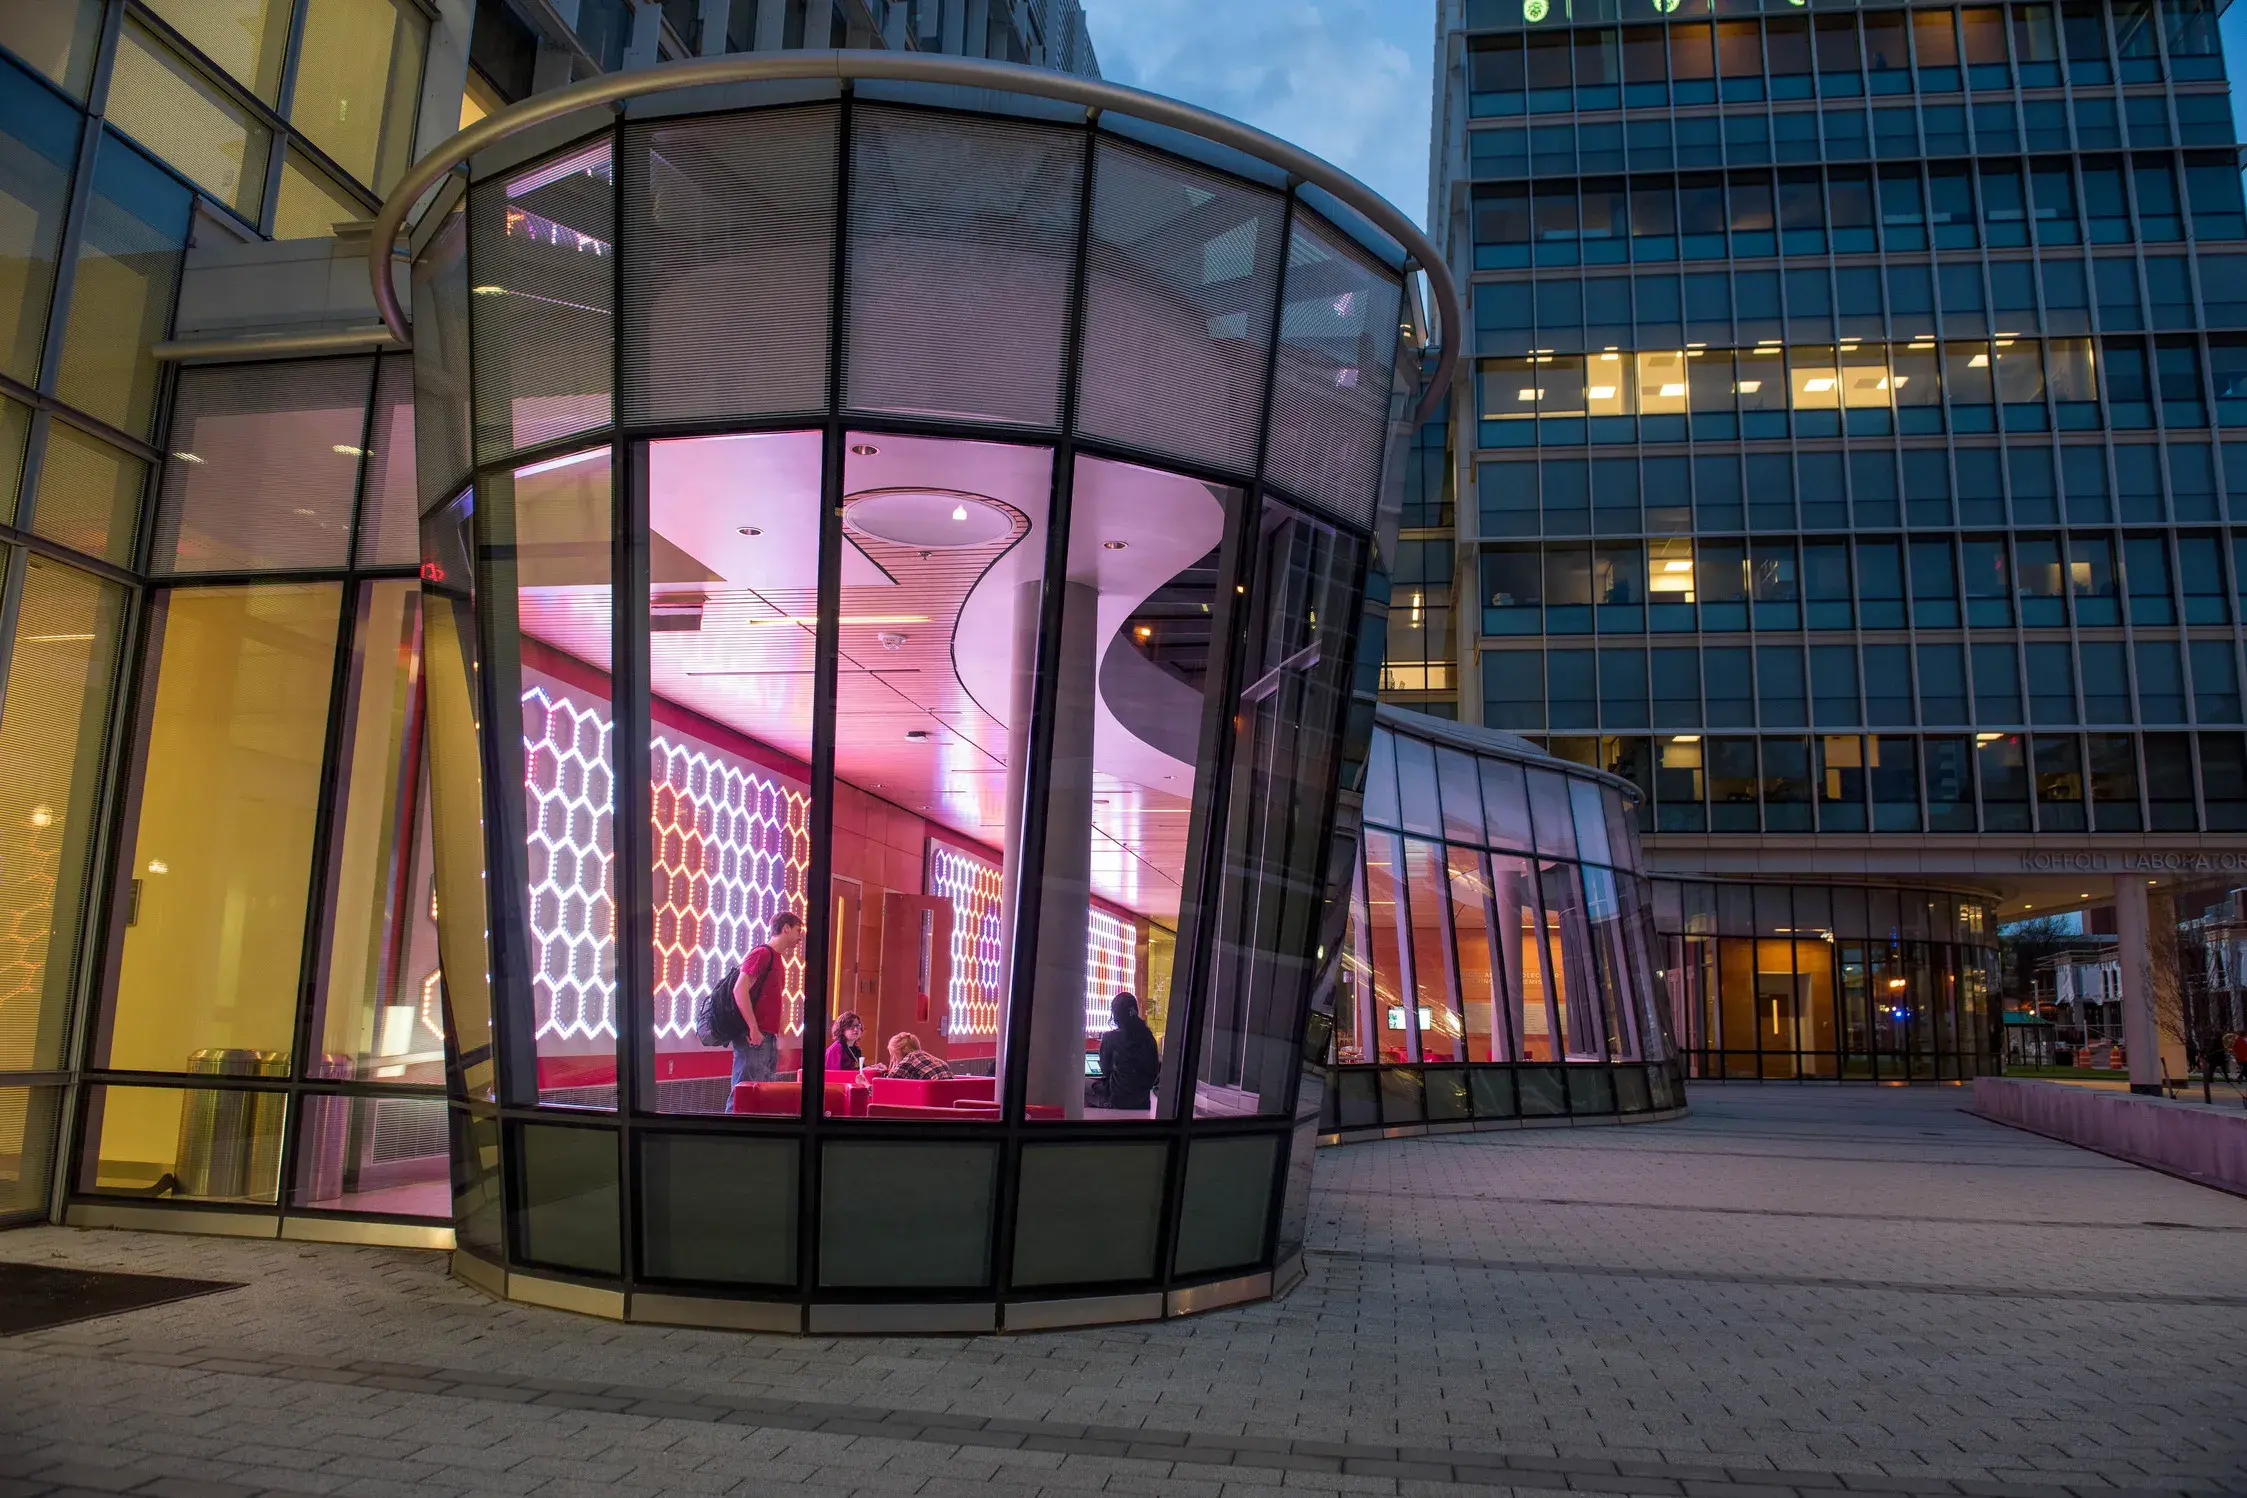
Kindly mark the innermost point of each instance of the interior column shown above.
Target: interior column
(1056, 1062)
(2145, 923)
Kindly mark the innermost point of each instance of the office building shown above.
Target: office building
(1848, 456)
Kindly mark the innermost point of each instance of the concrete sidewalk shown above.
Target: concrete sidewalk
(1795, 1288)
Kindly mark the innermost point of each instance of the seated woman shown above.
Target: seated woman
(843, 1054)
(1130, 1061)
(909, 1061)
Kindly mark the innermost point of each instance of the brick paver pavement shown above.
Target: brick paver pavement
(1791, 1289)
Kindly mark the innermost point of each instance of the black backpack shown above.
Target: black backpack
(716, 1021)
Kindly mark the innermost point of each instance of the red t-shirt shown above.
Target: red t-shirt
(761, 986)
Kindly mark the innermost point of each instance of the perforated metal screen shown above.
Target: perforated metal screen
(963, 239)
(1178, 307)
(542, 247)
(733, 223)
(1330, 393)
(263, 467)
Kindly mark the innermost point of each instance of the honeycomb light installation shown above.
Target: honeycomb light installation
(934, 500)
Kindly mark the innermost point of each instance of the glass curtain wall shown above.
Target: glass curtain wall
(1822, 982)
(963, 733)
(292, 118)
(91, 233)
(119, 123)
(270, 1036)
(1853, 393)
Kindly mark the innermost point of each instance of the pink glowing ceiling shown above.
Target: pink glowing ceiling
(928, 644)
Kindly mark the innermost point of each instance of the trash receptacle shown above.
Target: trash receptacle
(230, 1141)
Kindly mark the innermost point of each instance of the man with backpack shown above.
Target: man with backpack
(758, 995)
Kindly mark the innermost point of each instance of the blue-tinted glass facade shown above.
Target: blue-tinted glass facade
(1858, 428)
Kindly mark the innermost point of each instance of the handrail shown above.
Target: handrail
(914, 67)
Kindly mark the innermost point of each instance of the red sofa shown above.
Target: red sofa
(904, 1091)
(786, 1100)
(977, 1111)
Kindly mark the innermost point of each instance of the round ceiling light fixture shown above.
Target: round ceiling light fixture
(750, 530)
(864, 449)
(928, 519)
(1114, 545)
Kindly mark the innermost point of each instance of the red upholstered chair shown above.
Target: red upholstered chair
(786, 1099)
(768, 1099)
(938, 1094)
(980, 1109)
(917, 1110)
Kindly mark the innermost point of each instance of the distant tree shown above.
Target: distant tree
(2022, 945)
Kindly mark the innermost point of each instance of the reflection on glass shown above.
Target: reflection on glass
(1532, 956)
(1389, 1030)
(156, 97)
(89, 494)
(456, 809)
(1475, 961)
(121, 301)
(364, 1154)
(53, 729)
(1434, 1020)
(1132, 715)
(28, 1120)
(1576, 995)
(358, 83)
(378, 1016)
(310, 203)
(38, 147)
(186, 1144)
(213, 896)
(248, 38)
(733, 607)
(1294, 682)
(1611, 962)
(549, 524)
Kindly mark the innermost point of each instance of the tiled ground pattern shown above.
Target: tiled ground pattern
(1796, 1289)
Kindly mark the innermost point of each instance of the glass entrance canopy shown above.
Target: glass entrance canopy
(892, 562)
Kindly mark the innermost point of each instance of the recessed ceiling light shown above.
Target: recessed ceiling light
(751, 530)
(864, 449)
(1114, 545)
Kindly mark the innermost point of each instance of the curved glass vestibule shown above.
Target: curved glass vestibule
(1500, 967)
(959, 546)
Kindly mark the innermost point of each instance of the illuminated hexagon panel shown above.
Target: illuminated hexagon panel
(732, 843)
(732, 851)
(1111, 966)
(973, 886)
(732, 848)
(569, 826)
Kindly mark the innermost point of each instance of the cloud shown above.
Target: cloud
(1346, 79)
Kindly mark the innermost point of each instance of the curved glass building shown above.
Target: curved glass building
(1848, 458)
(893, 550)
(1501, 965)
(938, 517)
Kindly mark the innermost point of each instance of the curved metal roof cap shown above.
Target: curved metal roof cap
(856, 63)
(1492, 743)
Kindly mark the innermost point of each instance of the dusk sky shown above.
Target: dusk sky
(1347, 79)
